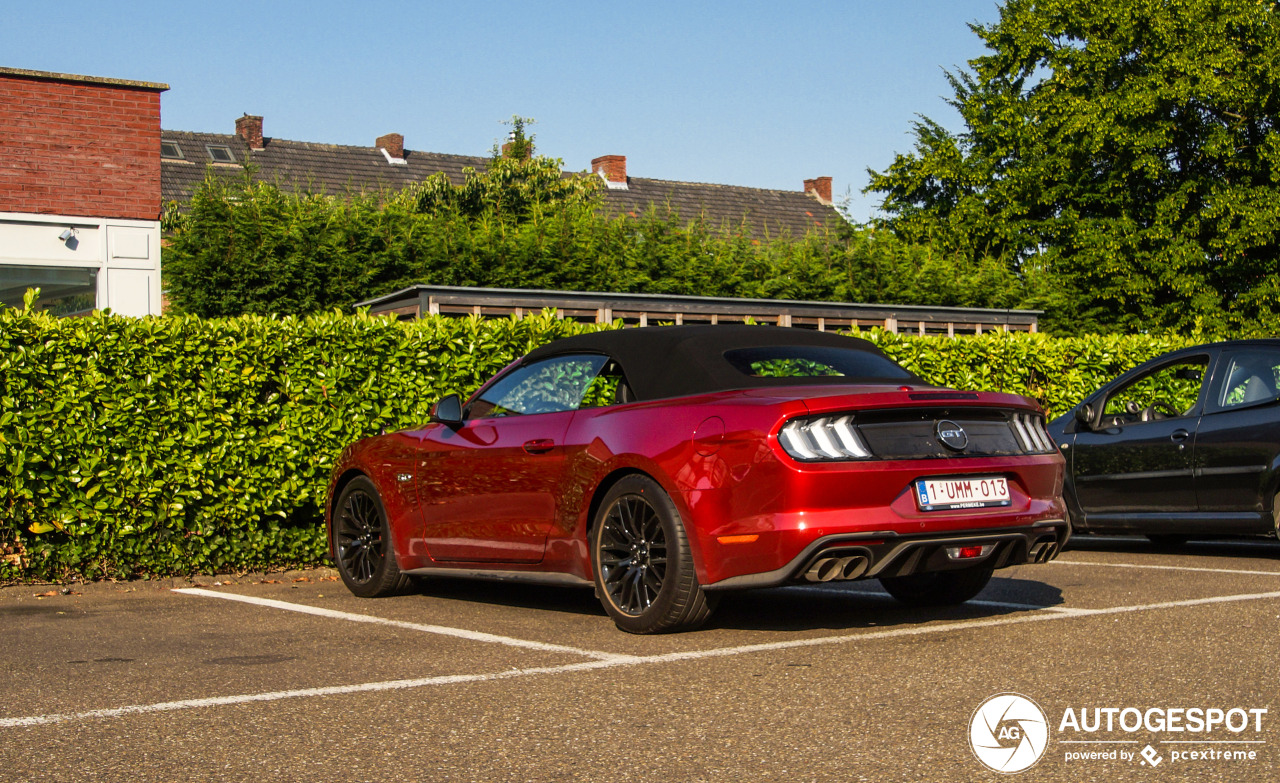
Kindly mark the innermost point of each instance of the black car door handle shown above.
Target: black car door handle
(1177, 436)
(539, 445)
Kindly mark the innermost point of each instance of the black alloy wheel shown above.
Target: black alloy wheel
(362, 542)
(644, 570)
(633, 555)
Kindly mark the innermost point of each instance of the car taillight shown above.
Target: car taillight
(1032, 436)
(969, 552)
(823, 439)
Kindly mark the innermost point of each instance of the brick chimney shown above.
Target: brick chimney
(508, 149)
(249, 128)
(613, 168)
(392, 143)
(820, 187)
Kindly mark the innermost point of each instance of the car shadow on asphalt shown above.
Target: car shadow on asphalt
(518, 595)
(863, 605)
(847, 606)
(1239, 548)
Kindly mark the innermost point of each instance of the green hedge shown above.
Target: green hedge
(1057, 371)
(160, 446)
(250, 247)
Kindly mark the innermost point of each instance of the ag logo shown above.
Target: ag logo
(951, 435)
(1008, 732)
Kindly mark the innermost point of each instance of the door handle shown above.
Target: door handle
(539, 445)
(1177, 436)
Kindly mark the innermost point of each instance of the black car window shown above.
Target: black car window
(1168, 391)
(813, 361)
(1251, 376)
(549, 386)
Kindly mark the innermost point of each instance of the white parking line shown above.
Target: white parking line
(368, 687)
(461, 633)
(1035, 607)
(1060, 561)
(613, 662)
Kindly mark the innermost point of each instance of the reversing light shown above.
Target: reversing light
(826, 438)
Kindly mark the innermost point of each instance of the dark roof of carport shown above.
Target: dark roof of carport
(677, 361)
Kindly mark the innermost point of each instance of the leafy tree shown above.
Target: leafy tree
(510, 189)
(519, 144)
(247, 247)
(1122, 157)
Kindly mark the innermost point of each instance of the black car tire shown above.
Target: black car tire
(1275, 515)
(365, 556)
(644, 572)
(941, 588)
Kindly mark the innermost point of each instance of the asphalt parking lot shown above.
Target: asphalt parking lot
(283, 680)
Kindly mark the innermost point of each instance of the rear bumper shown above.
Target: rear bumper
(885, 554)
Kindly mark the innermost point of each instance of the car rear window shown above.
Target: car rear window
(811, 361)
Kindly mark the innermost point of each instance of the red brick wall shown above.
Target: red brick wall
(79, 149)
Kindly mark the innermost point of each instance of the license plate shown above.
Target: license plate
(970, 492)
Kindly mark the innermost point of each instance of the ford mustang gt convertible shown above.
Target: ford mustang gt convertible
(667, 465)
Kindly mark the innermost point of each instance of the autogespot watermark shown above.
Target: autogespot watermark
(1009, 732)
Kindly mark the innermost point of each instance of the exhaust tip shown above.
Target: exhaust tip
(823, 570)
(827, 569)
(1044, 551)
(853, 567)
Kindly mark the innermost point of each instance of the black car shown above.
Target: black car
(1186, 445)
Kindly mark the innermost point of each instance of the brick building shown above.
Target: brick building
(80, 192)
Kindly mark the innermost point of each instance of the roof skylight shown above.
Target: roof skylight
(220, 153)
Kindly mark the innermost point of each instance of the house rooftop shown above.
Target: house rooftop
(331, 169)
(338, 170)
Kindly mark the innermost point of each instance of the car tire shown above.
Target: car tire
(1275, 515)
(644, 571)
(362, 546)
(940, 588)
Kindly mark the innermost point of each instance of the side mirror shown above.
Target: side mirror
(1085, 416)
(448, 411)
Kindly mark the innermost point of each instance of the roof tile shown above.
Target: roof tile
(337, 170)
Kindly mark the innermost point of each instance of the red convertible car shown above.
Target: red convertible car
(666, 465)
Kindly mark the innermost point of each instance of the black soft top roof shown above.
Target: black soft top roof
(677, 361)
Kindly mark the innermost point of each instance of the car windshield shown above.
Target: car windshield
(810, 361)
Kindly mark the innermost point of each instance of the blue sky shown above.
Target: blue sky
(742, 93)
